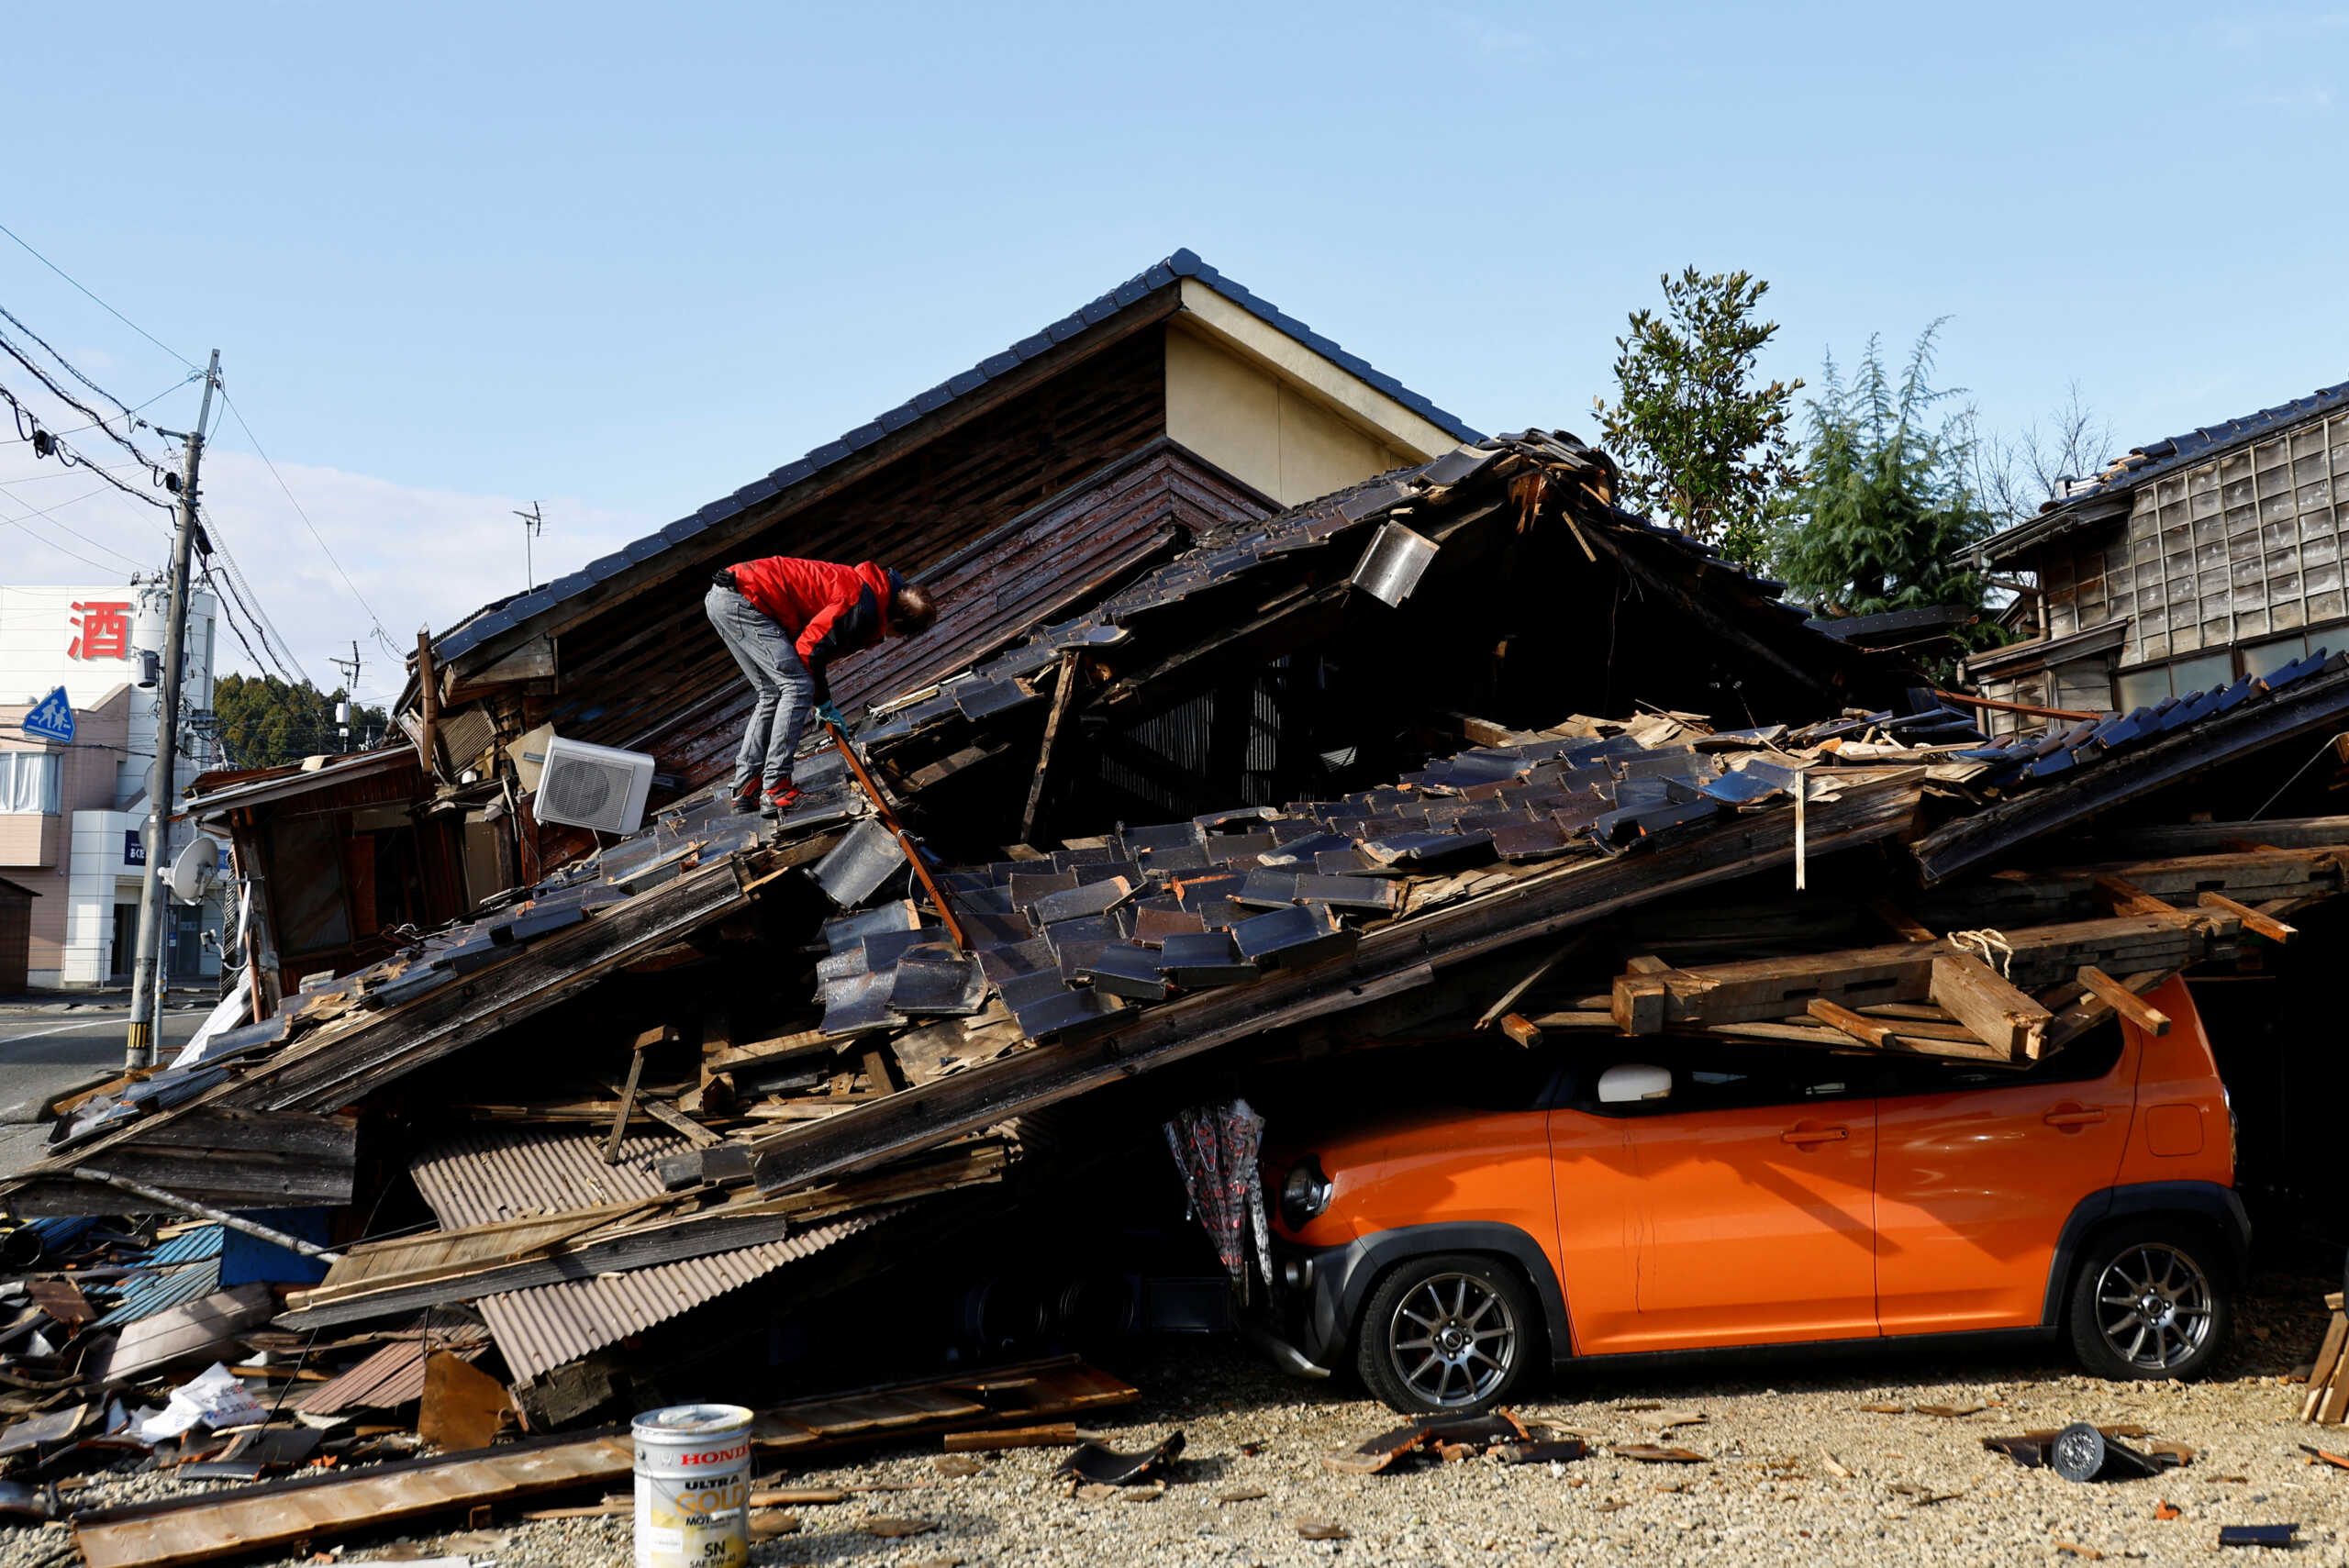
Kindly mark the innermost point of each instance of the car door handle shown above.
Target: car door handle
(1802, 1135)
(2069, 1117)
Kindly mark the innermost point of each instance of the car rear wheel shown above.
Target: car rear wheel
(2151, 1300)
(1451, 1334)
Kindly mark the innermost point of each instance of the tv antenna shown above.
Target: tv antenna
(533, 525)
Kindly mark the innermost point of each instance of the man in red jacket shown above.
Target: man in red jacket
(784, 619)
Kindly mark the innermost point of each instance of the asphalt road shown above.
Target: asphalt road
(44, 1052)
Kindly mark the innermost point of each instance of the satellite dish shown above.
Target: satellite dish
(193, 869)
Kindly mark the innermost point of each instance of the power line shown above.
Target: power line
(46, 444)
(130, 417)
(231, 587)
(102, 305)
(375, 621)
(71, 401)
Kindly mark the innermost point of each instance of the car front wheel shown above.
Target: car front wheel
(2151, 1300)
(1451, 1334)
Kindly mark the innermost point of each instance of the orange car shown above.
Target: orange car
(1676, 1196)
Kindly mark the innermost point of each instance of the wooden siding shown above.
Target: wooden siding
(650, 675)
(998, 589)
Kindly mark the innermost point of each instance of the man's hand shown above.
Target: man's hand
(831, 716)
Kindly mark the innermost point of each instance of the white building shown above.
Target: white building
(70, 819)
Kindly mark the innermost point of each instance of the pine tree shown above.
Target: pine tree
(1888, 504)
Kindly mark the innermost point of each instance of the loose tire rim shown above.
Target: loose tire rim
(2153, 1305)
(1452, 1340)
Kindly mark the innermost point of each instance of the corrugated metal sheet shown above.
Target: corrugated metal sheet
(499, 1173)
(494, 1173)
(553, 1325)
(392, 1376)
(144, 1298)
(203, 1242)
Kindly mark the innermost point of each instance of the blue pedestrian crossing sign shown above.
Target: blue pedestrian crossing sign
(51, 719)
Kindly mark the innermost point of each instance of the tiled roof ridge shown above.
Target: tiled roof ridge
(2154, 458)
(503, 616)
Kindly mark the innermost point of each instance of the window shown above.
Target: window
(2092, 1055)
(1706, 1078)
(28, 782)
(2267, 658)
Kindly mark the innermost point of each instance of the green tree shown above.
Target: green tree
(265, 721)
(1699, 438)
(1888, 503)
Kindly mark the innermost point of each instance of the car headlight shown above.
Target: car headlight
(1305, 1194)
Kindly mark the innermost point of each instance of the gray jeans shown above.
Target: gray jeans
(771, 663)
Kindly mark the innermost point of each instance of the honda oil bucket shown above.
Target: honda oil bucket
(693, 1487)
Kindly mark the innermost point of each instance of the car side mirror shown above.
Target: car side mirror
(1634, 1081)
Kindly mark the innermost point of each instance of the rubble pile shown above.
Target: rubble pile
(726, 1059)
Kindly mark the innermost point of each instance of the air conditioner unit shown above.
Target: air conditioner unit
(592, 786)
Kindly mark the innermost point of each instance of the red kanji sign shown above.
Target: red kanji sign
(104, 631)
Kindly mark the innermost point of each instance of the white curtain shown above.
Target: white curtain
(28, 780)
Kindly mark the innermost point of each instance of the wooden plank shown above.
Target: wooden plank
(2091, 1010)
(1765, 990)
(2275, 931)
(2122, 897)
(2328, 1361)
(1867, 1032)
(1063, 688)
(1058, 1434)
(1506, 1002)
(1521, 1030)
(1856, 1030)
(220, 1524)
(628, 1103)
(2123, 1001)
(1986, 1002)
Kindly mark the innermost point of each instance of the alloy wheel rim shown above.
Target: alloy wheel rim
(2154, 1307)
(1452, 1340)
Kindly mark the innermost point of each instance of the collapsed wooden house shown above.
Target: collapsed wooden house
(678, 1090)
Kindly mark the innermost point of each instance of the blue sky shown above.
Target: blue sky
(624, 258)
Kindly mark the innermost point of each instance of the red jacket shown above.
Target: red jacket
(828, 608)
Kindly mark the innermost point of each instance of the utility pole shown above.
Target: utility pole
(146, 991)
(350, 668)
(532, 526)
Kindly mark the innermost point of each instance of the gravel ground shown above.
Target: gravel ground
(1795, 1472)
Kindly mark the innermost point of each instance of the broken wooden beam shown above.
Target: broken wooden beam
(2253, 920)
(1986, 1002)
(2122, 1000)
(2091, 1009)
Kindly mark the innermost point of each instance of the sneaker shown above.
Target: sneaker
(781, 802)
(747, 798)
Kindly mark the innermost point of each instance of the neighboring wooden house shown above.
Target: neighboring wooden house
(1023, 489)
(2184, 565)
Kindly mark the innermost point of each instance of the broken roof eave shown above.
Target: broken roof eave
(296, 781)
(2299, 710)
